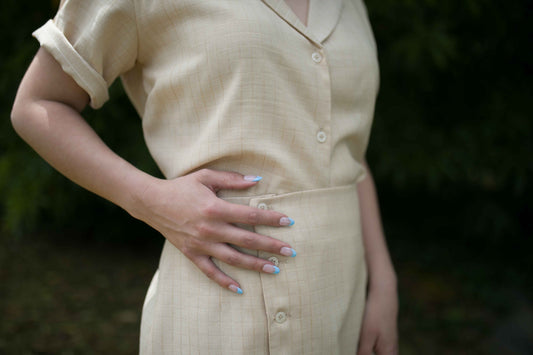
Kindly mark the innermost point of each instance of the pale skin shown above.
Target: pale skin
(186, 210)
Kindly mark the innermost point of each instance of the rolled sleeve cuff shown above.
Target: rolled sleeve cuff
(55, 42)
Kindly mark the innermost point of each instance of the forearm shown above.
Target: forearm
(379, 264)
(62, 137)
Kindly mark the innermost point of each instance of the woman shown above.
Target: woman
(258, 114)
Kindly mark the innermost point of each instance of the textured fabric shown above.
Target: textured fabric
(245, 86)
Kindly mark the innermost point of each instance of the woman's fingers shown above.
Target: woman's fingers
(232, 257)
(250, 240)
(208, 267)
(234, 213)
(218, 180)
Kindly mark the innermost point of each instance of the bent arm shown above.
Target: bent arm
(46, 114)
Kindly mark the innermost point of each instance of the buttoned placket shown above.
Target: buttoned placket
(322, 134)
(321, 19)
(276, 293)
(276, 288)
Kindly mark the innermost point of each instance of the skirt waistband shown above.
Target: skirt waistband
(259, 200)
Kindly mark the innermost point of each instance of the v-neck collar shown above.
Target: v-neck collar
(322, 17)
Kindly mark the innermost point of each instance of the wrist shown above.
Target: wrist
(383, 280)
(133, 197)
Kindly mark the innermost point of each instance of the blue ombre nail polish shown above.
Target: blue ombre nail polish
(252, 178)
(235, 289)
(285, 251)
(271, 269)
(292, 221)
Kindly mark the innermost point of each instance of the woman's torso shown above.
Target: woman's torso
(249, 88)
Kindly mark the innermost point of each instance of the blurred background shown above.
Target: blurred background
(451, 151)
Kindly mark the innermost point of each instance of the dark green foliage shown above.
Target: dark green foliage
(21, 173)
(453, 104)
(453, 121)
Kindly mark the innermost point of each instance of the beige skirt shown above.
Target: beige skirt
(314, 305)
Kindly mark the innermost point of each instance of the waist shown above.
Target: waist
(323, 195)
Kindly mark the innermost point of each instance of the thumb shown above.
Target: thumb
(219, 180)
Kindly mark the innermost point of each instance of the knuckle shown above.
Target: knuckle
(258, 264)
(232, 259)
(234, 176)
(253, 217)
(226, 178)
(185, 250)
(203, 172)
(203, 230)
(210, 209)
(248, 241)
(211, 273)
(192, 245)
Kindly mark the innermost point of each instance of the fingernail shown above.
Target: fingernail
(235, 289)
(252, 178)
(288, 252)
(271, 269)
(286, 221)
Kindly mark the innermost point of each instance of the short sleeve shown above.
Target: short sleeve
(94, 41)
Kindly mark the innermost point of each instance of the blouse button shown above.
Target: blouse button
(321, 136)
(274, 260)
(317, 57)
(280, 317)
(262, 206)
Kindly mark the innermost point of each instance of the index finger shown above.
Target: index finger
(234, 213)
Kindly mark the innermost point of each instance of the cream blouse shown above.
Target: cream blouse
(245, 86)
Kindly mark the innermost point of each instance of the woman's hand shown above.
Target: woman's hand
(379, 333)
(188, 213)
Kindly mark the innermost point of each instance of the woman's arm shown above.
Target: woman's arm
(46, 114)
(379, 329)
(186, 210)
(380, 268)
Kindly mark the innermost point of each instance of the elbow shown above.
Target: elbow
(17, 116)
(23, 117)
